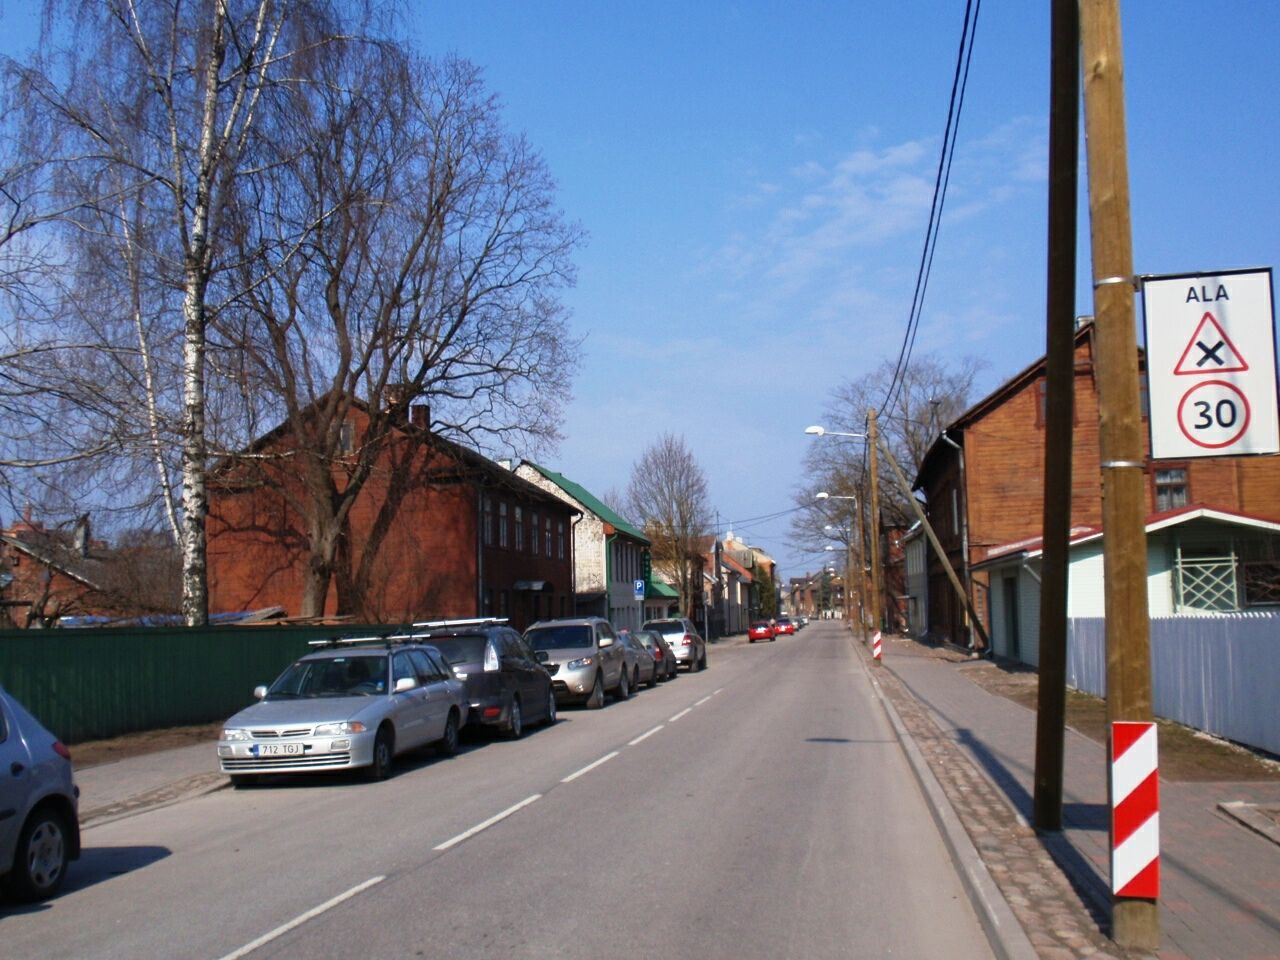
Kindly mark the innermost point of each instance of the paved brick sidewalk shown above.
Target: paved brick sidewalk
(1221, 882)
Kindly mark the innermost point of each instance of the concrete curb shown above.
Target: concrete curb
(169, 794)
(1007, 938)
(1246, 813)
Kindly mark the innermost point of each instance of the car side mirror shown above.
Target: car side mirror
(542, 656)
(405, 683)
(260, 691)
(606, 642)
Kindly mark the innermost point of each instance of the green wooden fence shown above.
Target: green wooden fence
(95, 683)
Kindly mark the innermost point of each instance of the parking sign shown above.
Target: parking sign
(638, 587)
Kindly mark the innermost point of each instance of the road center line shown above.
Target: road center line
(300, 920)
(642, 736)
(488, 823)
(717, 690)
(680, 714)
(704, 699)
(589, 767)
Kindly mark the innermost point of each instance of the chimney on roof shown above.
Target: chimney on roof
(80, 538)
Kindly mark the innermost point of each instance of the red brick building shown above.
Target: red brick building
(469, 538)
(984, 482)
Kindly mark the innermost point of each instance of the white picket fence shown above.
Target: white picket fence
(1220, 674)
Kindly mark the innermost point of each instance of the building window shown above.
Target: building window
(346, 437)
(519, 528)
(488, 521)
(1171, 488)
(533, 534)
(547, 531)
(560, 540)
(502, 523)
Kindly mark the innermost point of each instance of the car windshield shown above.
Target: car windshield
(645, 637)
(332, 677)
(468, 649)
(558, 636)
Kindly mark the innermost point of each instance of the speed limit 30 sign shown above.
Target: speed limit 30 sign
(1211, 364)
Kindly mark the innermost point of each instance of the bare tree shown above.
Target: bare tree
(933, 394)
(416, 259)
(669, 491)
(162, 106)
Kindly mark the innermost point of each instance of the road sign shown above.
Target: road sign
(638, 587)
(1211, 364)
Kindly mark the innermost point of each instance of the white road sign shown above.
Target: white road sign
(1211, 364)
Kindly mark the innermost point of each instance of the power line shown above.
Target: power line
(942, 178)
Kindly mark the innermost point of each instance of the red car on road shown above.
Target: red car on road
(784, 625)
(761, 630)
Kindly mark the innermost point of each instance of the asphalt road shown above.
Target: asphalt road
(762, 809)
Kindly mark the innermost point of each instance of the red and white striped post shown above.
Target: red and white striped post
(875, 646)
(1135, 811)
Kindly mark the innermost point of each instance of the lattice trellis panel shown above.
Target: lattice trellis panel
(1207, 585)
(1261, 582)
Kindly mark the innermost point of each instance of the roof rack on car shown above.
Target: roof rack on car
(471, 622)
(336, 641)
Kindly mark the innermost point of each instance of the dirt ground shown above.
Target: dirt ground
(1185, 754)
(91, 753)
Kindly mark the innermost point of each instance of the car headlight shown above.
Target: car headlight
(340, 729)
(232, 734)
(580, 663)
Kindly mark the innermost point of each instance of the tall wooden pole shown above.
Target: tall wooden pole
(1064, 118)
(1135, 922)
(872, 435)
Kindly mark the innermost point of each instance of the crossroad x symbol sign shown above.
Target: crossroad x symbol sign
(1210, 350)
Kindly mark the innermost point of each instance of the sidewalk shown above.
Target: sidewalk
(1220, 880)
(113, 790)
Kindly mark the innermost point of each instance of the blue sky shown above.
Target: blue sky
(755, 181)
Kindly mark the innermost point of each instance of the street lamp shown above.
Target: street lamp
(871, 437)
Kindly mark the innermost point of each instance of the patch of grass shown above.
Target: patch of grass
(1185, 754)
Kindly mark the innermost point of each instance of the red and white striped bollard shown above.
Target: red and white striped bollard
(875, 646)
(1135, 811)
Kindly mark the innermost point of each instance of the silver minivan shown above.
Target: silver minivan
(584, 657)
(39, 805)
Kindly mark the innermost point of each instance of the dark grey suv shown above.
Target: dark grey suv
(584, 657)
(506, 685)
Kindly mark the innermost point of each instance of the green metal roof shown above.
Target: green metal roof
(656, 588)
(591, 502)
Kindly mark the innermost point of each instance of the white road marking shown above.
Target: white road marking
(488, 823)
(248, 948)
(714, 692)
(680, 714)
(642, 736)
(589, 767)
(703, 700)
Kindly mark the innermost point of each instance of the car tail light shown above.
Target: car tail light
(687, 641)
(491, 712)
(60, 750)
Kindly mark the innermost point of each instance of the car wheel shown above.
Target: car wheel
(551, 708)
(702, 664)
(752, 640)
(515, 722)
(596, 700)
(40, 858)
(242, 780)
(448, 744)
(624, 686)
(653, 677)
(384, 746)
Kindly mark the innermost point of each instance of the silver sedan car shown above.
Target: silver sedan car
(344, 707)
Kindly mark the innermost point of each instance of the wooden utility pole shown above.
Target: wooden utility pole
(873, 436)
(1064, 117)
(1135, 923)
(965, 601)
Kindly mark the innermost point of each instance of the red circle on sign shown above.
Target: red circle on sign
(1244, 424)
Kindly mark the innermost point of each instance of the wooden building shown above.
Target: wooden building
(983, 479)
(468, 537)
